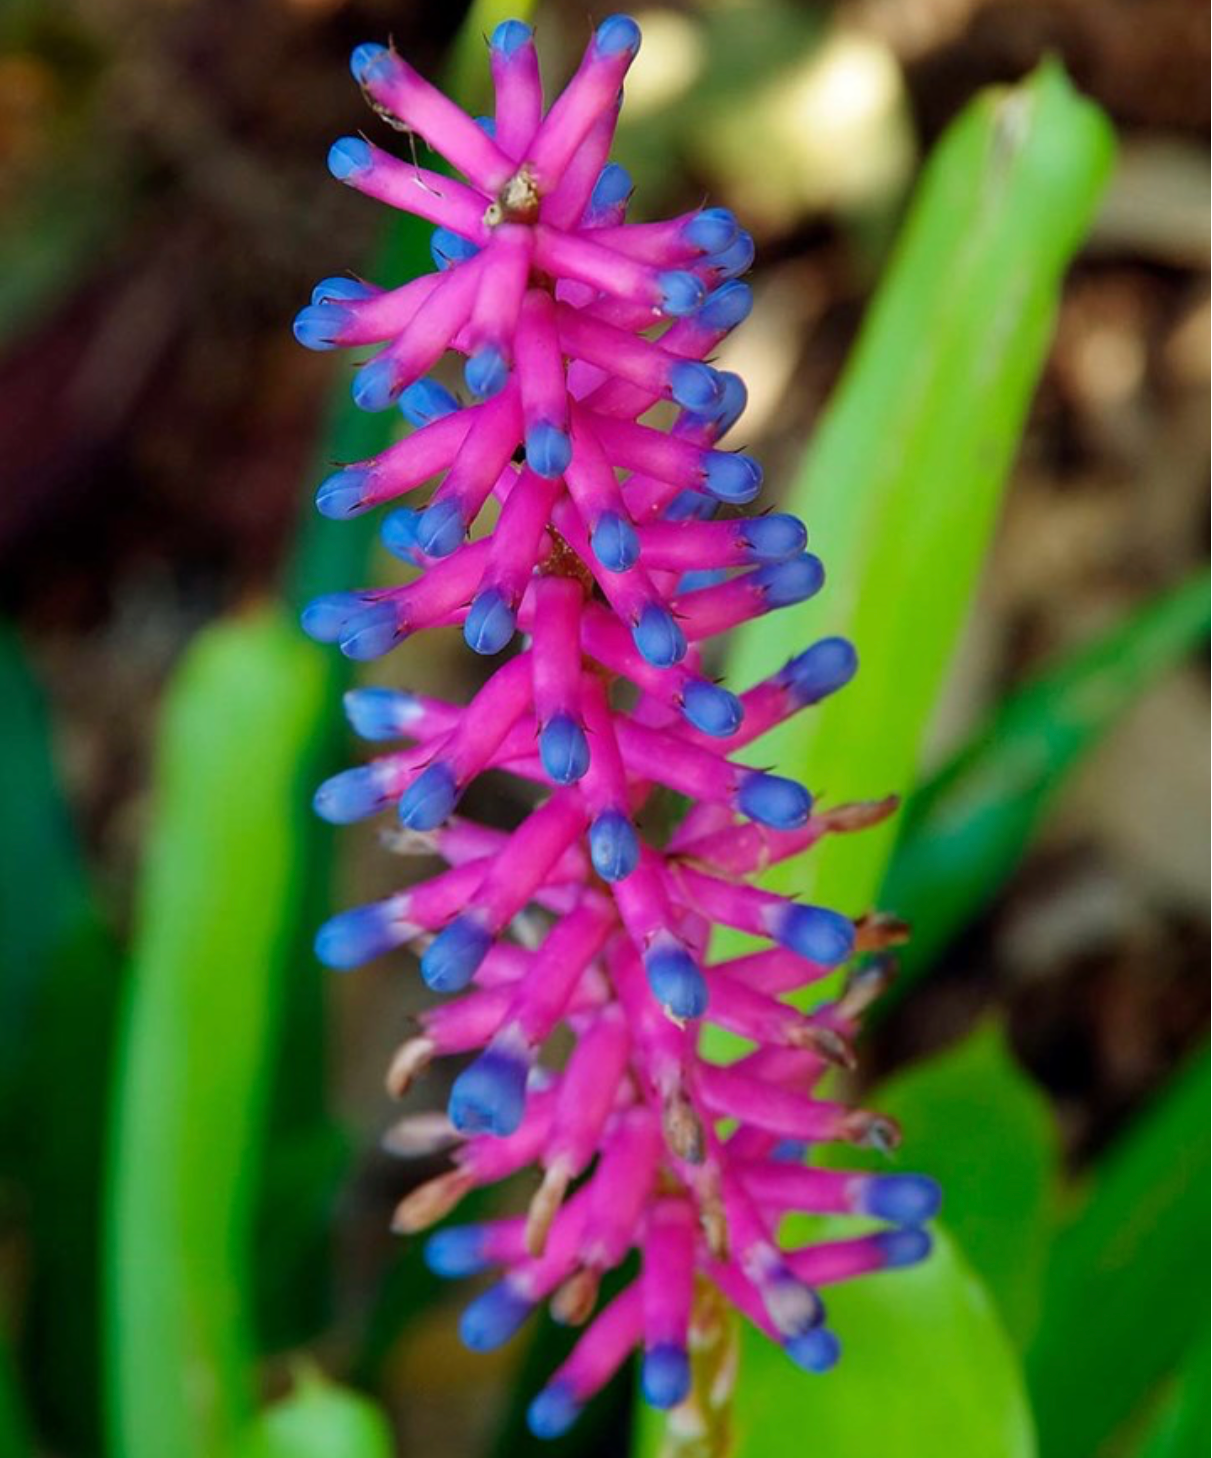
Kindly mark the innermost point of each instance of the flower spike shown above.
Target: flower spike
(609, 570)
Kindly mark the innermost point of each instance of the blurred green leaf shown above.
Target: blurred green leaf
(15, 1441)
(320, 1420)
(60, 976)
(72, 1062)
(966, 828)
(219, 900)
(43, 893)
(1181, 1427)
(901, 484)
(974, 1121)
(1127, 1282)
(927, 1370)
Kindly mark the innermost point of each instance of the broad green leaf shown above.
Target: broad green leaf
(901, 484)
(974, 1121)
(926, 1370)
(1127, 1283)
(218, 902)
(1180, 1428)
(965, 829)
(320, 1420)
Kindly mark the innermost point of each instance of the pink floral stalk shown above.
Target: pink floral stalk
(608, 557)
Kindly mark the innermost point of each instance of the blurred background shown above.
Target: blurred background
(165, 209)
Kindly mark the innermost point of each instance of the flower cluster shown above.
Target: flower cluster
(608, 558)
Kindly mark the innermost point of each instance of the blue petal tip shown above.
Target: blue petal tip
(563, 749)
(430, 798)
(548, 450)
(348, 157)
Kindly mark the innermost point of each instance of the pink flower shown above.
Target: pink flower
(608, 558)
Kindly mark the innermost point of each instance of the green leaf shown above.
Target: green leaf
(901, 485)
(1126, 1286)
(15, 1441)
(60, 977)
(974, 1121)
(320, 1420)
(219, 898)
(43, 892)
(967, 827)
(927, 1369)
(1181, 1427)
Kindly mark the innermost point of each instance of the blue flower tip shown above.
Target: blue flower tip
(796, 580)
(349, 796)
(341, 495)
(553, 1412)
(510, 36)
(736, 259)
(340, 290)
(904, 1247)
(489, 1096)
(820, 670)
(613, 846)
(426, 401)
(617, 35)
(353, 937)
(377, 713)
(457, 1251)
(615, 543)
(368, 62)
(448, 248)
(490, 623)
(398, 533)
(712, 709)
(548, 450)
(774, 538)
(441, 528)
(681, 292)
(451, 959)
(614, 186)
(666, 1375)
(377, 385)
(486, 372)
(771, 800)
(429, 800)
(563, 749)
(676, 981)
(904, 1199)
(696, 387)
(711, 230)
(371, 632)
(726, 307)
(324, 618)
(817, 933)
(492, 1318)
(348, 157)
(815, 1351)
(734, 479)
(319, 326)
(659, 639)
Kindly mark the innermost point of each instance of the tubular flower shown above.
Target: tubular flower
(607, 560)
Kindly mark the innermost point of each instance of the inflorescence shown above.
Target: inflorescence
(608, 558)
